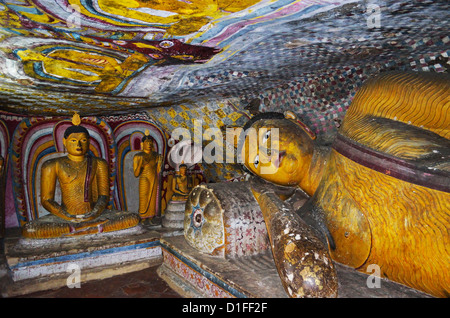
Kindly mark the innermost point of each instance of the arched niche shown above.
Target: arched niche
(37, 140)
(128, 137)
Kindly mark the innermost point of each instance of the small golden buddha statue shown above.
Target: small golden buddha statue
(180, 184)
(84, 182)
(147, 166)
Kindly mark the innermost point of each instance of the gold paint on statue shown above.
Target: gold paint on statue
(298, 161)
(71, 172)
(381, 195)
(147, 166)
(406, 116)
(301, 259)
(396, 97)
(180, 185)
(84, 182)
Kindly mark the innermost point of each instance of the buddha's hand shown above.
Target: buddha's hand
(66, 216)
(260, 186)
(95, 212)
(179, 192)
(137, 165)
(302, 259)
(59, 211)
(83, 217)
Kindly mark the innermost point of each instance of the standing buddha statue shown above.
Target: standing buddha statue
(147, 165)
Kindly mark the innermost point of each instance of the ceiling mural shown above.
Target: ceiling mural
(103, 57)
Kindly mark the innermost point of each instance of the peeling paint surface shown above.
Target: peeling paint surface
(103, 57)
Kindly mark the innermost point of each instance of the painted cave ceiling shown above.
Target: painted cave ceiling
(103, 57)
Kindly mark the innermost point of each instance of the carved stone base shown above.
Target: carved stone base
(43, 264)
(174, 215)
(193, 274)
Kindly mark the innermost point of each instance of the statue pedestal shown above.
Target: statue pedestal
(42, 264)
(193, 274)
(174, 215)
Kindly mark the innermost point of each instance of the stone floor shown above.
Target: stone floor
(147, 283)
(141, 284)
(138, 284)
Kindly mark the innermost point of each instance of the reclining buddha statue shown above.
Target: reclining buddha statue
(84, 182)
(379, 196)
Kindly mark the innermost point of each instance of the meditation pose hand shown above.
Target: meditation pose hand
(84, 182)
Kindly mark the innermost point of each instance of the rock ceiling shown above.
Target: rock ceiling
(104, 57)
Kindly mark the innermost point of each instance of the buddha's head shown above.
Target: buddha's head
(76, 138)
(182, 169)
(277, 148)
(147, 142)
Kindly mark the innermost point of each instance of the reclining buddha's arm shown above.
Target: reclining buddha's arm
(301, 258)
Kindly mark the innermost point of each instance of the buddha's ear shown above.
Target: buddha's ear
(64, 141)
(142, 145)
(290, 115)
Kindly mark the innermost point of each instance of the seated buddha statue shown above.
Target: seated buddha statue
(180, 184)
(84, 182)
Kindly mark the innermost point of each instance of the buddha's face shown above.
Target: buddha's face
(183, 170)
(147, 145)
(77, 144)
(289, 156)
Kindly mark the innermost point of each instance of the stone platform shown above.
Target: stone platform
(193, 274)
(43, 264)
(174, 215)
